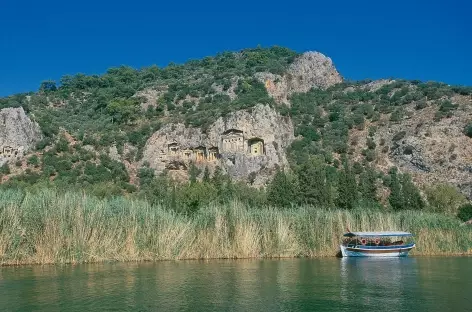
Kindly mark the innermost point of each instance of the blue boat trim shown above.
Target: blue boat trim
(382, 247)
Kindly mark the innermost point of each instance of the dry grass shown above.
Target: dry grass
(47, 227)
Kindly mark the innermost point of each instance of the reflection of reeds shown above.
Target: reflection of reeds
(47, 227)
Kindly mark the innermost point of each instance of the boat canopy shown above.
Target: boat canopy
(377, 234)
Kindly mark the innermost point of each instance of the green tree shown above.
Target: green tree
(193, 173)
(347, 187)
(315, 188)
(282, 191)
(146, 176)
(465, 212)
(217, 178)
(371, 144)
(206, 175)
(158, 190)
(468, 130)
(411, 195)
(359, 121)
(370, 155)
(123, 110)
(33, 161)
(395, 198)
(397, 115)
(5, 169)
(444, 198)
(403, 192)
(48, 86)
(196, 195)
(62, 145)
(367, 184)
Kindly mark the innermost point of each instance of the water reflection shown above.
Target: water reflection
(350, 284)
(386, 283)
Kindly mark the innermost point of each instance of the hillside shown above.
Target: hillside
(237, 120)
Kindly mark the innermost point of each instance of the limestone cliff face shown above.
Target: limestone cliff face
(432, 151)
(310, 70)
(248, 145)
(18, 134)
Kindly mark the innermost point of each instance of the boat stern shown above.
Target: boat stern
(343, 251)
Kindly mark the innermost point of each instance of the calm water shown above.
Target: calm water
(407, 284)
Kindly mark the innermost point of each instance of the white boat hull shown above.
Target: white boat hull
(391, 251)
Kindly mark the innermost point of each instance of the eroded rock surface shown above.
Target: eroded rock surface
(18, 134)
(432, 151)
(248, 145)
(310, 70)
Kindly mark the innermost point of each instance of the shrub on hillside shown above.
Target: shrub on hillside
(444, 198)
(5, 169)
(371, 144)
(468, 130)
(465, 212)
(399, 135)
(33, 160)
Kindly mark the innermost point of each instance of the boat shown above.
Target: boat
(377, 244)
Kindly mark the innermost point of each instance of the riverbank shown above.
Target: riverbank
(47, 227)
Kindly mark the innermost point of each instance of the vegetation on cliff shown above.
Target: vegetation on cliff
(83, 117)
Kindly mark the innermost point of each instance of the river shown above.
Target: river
(396, 284)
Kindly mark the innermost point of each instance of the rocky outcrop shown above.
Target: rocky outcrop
(310, 70)
(230, 91)
(248, 145)
(377, 84)
(432, 151)
(150, 96)
(18, 134)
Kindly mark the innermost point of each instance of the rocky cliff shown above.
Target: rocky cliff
(309, 70)
(248, 145)
(431, 150)
(18, 134)
(220, 112)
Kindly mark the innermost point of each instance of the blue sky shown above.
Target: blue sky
(423, 40)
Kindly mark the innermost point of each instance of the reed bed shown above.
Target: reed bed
(49, 227)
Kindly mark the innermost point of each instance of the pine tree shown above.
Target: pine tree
(282, 191)
(411, 195)
(173, 198)
(367, 185)
(395, 198)
(313, 185)
(403, 192)
(193, 173)
(222, 184)
(217, 178)
(5, 169)
(347, 187)
(206, 175)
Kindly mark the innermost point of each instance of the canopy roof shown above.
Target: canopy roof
(376, 234)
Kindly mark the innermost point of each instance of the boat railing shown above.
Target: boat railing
(361, 242)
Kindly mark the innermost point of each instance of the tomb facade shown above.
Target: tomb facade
(200, 154)
(232, 141)
(212, 154)
(243, 144)
(8, 152)
(173, 149)
(256, 147)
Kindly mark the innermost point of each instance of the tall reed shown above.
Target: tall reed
(49, 227)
